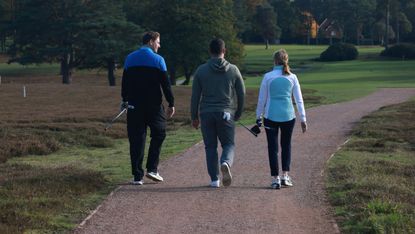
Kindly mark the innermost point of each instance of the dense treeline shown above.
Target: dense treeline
(93, 34)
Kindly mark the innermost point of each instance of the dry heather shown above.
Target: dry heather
(54, 115)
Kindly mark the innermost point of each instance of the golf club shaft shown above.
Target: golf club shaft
(253, 133)
(115, 118)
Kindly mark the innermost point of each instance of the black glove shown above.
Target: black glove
(259, 122)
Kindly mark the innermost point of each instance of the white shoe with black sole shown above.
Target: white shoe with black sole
(275, 182)
(154, 176)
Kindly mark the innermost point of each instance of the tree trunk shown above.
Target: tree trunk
(187, 75)
(172, 73)
(111, 68)
(387, 26)
(3, 43)
(66, 70)
(266, 44)
(398, 40)
(187, 80)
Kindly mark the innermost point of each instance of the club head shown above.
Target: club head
(255, 130)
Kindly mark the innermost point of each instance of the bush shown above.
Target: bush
(404, 51)
(339, 52)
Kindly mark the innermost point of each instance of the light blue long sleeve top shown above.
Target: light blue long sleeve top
(274, 100)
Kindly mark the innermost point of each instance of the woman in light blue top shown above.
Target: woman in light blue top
(275, 106)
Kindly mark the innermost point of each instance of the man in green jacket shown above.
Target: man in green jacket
(218, 94)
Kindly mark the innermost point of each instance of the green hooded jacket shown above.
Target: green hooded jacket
(217, 87)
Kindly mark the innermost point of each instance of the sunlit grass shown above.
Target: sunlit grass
(335, 81)
(371, 180)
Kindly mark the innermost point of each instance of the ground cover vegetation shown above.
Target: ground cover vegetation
(371, 180)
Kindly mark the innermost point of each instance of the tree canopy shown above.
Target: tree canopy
(88, 34)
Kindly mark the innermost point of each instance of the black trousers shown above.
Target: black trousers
(271, 128)
(138, 120)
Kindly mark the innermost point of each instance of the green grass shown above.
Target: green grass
(371, 180)
(335, 81)
(53, 193)
(15, 69)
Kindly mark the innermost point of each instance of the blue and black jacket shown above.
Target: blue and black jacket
(144, 73)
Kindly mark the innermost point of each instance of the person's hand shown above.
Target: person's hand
(170, 112)
(304, 126)
(259, 122)
(195, 123)
(123, 105)
(237, 116)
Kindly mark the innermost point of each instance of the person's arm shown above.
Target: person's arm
(166, 84)
(124, 84)
(300, 103)
(195, 100)
(240, 93)
(262, 99)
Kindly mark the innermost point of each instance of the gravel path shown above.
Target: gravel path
(184, 203)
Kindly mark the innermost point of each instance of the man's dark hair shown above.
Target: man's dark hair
(216, 46)
(150, 36)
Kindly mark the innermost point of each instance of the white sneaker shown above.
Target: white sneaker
(137, 182)
(275, 182)
(215, 184)
(286, 181)
(154, 176)
(226, 174)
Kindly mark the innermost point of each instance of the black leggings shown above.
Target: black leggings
(271, 128)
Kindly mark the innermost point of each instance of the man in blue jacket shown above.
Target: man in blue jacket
(144, 76)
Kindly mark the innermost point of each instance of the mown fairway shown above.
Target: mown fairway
(335, 81)
(73, 162)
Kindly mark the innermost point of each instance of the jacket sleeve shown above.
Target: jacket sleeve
(195, 100)
(166, 84)
(240, 93)
(298, 97)
(124, 85)
(262, 98)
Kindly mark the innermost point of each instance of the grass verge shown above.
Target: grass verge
(53, 193)
(371, 181)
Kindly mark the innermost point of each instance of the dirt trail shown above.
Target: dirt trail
(184, 203)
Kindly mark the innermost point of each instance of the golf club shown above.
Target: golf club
(109, 124)
(253, 133)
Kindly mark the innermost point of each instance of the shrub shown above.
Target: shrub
(404, 51)
(339, 52)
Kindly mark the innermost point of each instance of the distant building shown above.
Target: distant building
(329, 29)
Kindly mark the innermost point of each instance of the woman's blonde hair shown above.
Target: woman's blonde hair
(281, 58)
